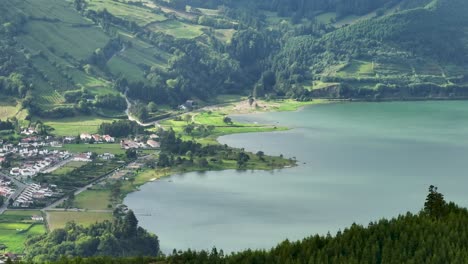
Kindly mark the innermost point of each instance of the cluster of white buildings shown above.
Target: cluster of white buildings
(31, 193)
(29, 131)
(97, 138)
(31, 168)
(136, 144)
(106, 156)
(5, 189)
(84, 157)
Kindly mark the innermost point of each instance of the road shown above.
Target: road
(131, 118)
(58, 165)
(82, 189)
(19, 189)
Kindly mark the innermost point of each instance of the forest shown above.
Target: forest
(121, 238)
(437, 234)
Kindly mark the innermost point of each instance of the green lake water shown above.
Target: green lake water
(358, 162)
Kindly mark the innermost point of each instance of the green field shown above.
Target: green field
(59, 219)
(326, 18)
(93, 200)
(16, 227)
(69, 167)
(120, 66)
(78, 42)
(74, 126)
(357, 68)
(9, 107)
(140, 15)
(98, 148)
(177, 29)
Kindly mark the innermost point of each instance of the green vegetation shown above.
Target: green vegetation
(140, 15)
(121, 238)
(68, 52)
(75, 125)
(177, 29)
(15, 228)
(59, 219)
(436, 234)
(113, 148)
(68, 168)
(80, 176)
(93, 200)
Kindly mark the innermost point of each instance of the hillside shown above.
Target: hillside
(77, 58)
(413, 53)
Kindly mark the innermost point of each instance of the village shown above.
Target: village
(35, 157)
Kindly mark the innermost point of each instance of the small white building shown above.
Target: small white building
(109, 139)
(85, 136)
(37, 218)
(107, 156)
(153, 144)
(15, 171)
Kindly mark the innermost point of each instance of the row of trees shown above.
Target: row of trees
(120, 128)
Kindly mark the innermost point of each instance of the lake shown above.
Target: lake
(358, 162)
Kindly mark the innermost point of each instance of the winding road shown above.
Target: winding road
(131, 118)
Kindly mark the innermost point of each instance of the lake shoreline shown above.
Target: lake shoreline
(157, 174)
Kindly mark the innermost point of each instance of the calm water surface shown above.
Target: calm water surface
(358, 162)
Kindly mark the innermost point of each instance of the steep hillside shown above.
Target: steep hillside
(416, 52)
(74, 58)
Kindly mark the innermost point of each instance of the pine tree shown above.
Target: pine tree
(435, 204)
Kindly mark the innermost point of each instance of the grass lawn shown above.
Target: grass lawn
(19, 214)
(119, 66)
(59, 219)
(14, 236)
(93, 200)
(16, 226)
(357, 67)
(98, 148)
(74, 126)
(8, 107)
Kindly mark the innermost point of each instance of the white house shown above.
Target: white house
(15, 171)
(85, 136)
(109, 139)
(153, 144)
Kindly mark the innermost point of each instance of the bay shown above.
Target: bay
(357, 162)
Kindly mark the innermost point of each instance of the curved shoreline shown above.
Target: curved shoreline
(157, 174)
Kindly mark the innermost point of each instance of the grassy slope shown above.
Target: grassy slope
(140, 15)
(75, 125)
(409, 65)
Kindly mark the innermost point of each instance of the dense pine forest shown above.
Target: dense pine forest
(437, 234)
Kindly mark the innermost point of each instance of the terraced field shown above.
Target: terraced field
(141, 15)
